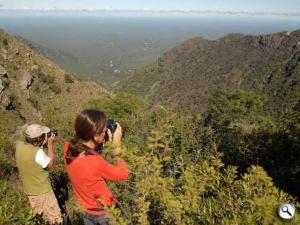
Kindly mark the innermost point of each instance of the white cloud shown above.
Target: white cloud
(163, 11)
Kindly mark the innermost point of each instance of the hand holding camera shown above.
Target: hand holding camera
(50, 138)
(117, 137)
(114, 133)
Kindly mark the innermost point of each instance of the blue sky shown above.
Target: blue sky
(280, 6)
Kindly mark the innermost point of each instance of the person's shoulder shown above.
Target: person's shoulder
(66, 145)
(19, 143)
(65, 149)
(97, 159)
(24, 146)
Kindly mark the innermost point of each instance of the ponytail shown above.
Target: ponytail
(87, 124)
(75, 148)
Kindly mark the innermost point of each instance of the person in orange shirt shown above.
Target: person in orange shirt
(88, 170)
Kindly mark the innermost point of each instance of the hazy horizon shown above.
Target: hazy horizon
(113, 45)
(266, 6)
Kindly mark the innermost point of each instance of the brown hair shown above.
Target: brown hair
(38, 141)
(88, 123)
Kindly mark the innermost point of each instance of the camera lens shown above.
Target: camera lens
(111, 125)
(55, 132)
(49, 134)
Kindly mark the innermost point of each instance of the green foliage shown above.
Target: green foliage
(203, 193)
(55, 88)
(46, 79)
(122, 107)
(5, 82)
(14, 103)
(5, 42)
(178, 175)
(248, 135)
(140, 84)
(68, 78)
(9, 121)
(283, 158)
(12, 66)
(227, 107)
(34, 103)
(14, 207)
(125, 108)
(54, 119)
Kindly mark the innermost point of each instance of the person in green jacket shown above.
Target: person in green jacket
(34, 166)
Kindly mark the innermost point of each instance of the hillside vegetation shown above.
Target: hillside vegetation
(31, 84)
(202, 168)
(185, 77)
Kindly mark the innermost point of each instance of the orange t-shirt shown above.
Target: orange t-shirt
(88, 175)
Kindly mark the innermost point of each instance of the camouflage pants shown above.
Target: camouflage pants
(47, 205)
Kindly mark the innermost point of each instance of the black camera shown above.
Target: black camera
(112, 126)
(49, 135)
(52, 132)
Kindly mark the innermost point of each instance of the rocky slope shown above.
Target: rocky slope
(185, 77)
(32, 85)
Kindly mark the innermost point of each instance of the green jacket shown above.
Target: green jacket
(34, 178)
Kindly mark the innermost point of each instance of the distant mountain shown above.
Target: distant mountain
(185, 77)
(32, 85)
(60, 57)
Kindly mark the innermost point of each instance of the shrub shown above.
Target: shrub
(8, 123)
(14, 207)
(55, 88)
(69, 78)
(226, 107)
(12, 66)
(14, 103)
(178, 176)
(5, 82)
(46, 79)
(204, 193)
(248, 134)
(124, 108)
(5, 42)
(34, 103)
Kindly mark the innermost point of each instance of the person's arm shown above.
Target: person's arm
(111, 172)
(116, 139)
(46, 161)
(118, 171)
(51, 153)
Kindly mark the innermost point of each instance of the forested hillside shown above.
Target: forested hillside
(185, 77)
(233, 163)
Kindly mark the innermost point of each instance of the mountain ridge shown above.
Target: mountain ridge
(187, 75)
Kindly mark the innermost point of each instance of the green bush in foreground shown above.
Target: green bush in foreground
(14, 208)
(177, 174)
(202, 193)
